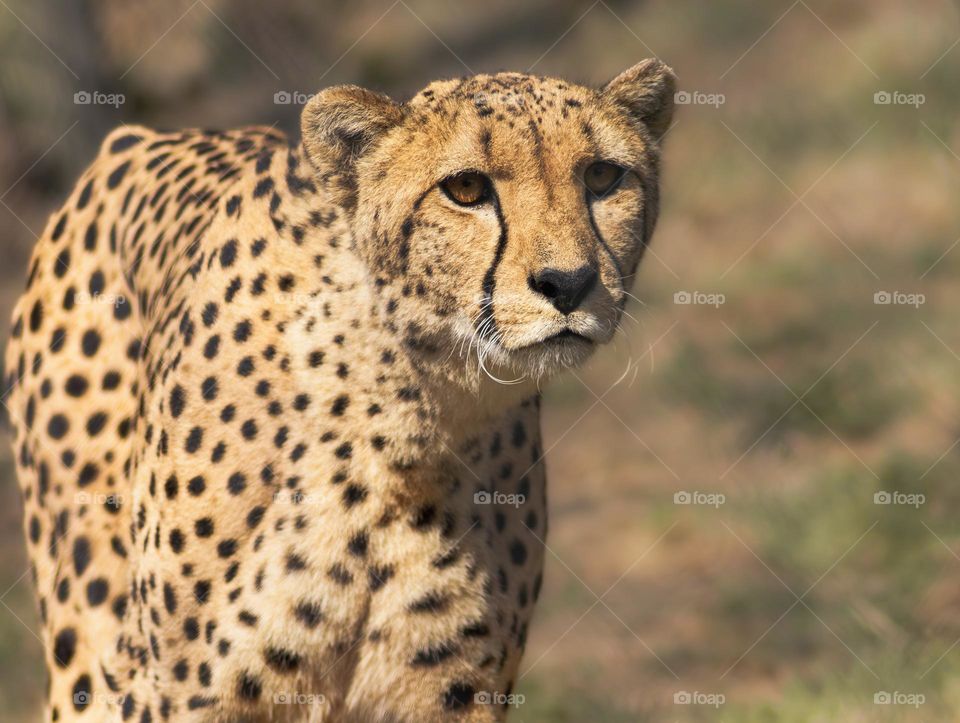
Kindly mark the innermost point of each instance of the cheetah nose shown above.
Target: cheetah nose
(564, 289)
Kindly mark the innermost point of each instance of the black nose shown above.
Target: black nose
(565, 289)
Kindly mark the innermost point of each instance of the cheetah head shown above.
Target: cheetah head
(502, 215)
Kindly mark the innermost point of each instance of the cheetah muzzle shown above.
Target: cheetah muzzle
(276, 406)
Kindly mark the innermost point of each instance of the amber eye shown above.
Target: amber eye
(602, 177)
(467, 189)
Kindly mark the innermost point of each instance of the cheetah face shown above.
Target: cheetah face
(504, 214)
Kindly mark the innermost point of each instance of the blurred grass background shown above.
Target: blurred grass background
(797, 199)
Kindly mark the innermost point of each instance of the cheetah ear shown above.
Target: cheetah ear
(339, 126)
(647, 91)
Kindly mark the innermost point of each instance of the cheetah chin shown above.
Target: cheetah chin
(276, 406)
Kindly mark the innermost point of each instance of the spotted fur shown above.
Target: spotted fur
(255, 393)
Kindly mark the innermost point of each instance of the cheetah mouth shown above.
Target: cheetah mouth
(561, 339)
(566, 335)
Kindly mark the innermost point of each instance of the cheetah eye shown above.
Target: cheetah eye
(467, 189)
(602, 178)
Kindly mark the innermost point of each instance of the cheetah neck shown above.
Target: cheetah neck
(422, 394)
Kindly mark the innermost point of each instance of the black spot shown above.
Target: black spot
(204, 527)
(228, 254)
(237, 483)
(339, 405)
(169, 598)
(255, 516)
(295, 562)
(97, 590)
(377, 576)
(196, 485)
(209, 389)
(458, 696)
(212, 347)
(90, 343)
(242, 331)
(58, 426)
(36, 316)
(76, 385)
(114, 179)
(57, 340)
(64, 646)
(82, 693)
(191, 629)
(81, 555)
(432, 656)
(308, 613)
(354, 494)
(519, 434)
(358, 544)
(124, 142)
(194, 440)
(283, 661)
(340, 575)
(177, 401)
(518, 552)
(430, 603)
(176, 540)
(249, 687)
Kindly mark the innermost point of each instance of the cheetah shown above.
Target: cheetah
(276, 405)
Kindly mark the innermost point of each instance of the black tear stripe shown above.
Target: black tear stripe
(490, 278)
(603, 242)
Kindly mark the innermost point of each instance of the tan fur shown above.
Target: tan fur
(255, 393)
